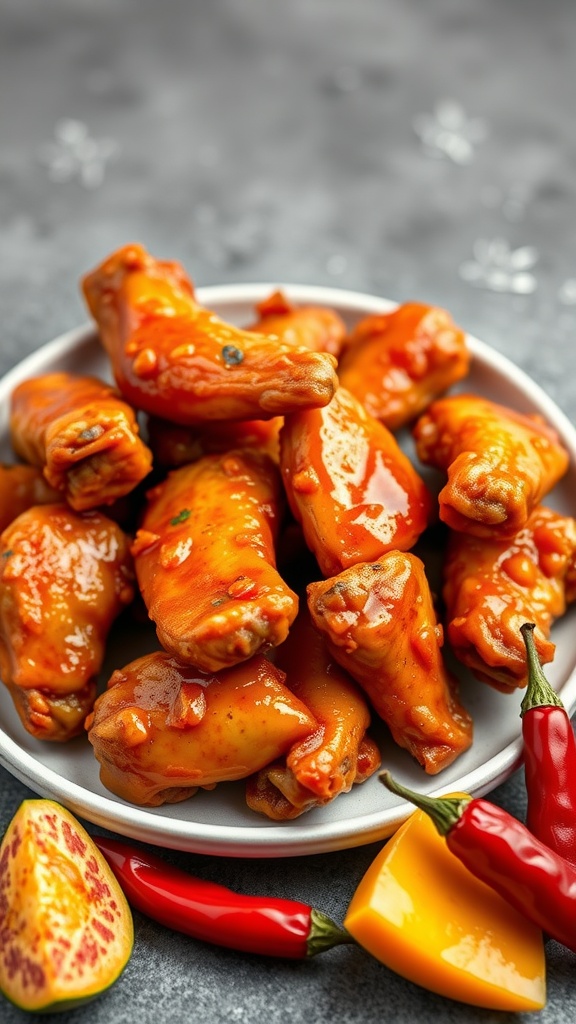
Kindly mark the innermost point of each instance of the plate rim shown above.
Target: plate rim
(295, 838)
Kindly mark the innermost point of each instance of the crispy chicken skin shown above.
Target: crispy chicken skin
(338, 753)
(397, 363)
(355, 493)
(500, 463)
(82, 435)
(316, 327)
(64, 577)
(205, 560)
(162, 729)
(173, 445)
(22, 486)
(380, 625)
(174, 359)
(491, 587)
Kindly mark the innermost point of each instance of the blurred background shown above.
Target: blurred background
(415, 150)
(412, 150)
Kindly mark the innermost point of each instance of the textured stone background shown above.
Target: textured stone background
(415, 150)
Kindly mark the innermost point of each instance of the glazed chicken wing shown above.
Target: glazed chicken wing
(22, 486)
(338, 753)
(491, 587)
(500, 463)
(64, 577)
(316, 327)
(205, 560)
(162, 729)
(397, 363)
(176, 360)
(83, 436)
(380, 625)
(174, 445)
(355, 493)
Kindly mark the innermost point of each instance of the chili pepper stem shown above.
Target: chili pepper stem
(324, 933)
(539, 692)
(444, 811)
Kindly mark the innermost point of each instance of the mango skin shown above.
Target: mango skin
(67, 930)
(425, 916)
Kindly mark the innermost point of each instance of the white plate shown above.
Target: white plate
(218, 822)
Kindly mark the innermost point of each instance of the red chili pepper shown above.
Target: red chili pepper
(549, 759)
(500, 851)
(207, 911)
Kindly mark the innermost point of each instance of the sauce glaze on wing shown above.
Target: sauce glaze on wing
(354, 491)
(500, 463)
(21, 487)
(491, 587)
(177, 360)
(82, 435)
(64, 577)
(396, 363)
(162, 729)
(338, 754)
(380, 625)
(206, 563)
(316, 327)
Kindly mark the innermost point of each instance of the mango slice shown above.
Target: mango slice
(423, 914)
(66, 928)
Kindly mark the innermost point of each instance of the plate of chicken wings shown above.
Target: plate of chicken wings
(260, 541)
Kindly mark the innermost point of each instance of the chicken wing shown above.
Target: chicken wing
(22, 486)
(397, 363)
(348, 483)
(316, 327)
(64, 577)
(380, 625)
(491, 587)
(173, 445)
(205, 560)
(500, 463)
(82, 435)
(338, 753)
(176, 360)
(162, 729)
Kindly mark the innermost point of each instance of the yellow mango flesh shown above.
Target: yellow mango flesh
(423, 914)
(66, 927)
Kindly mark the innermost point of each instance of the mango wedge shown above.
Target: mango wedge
(424, 915)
